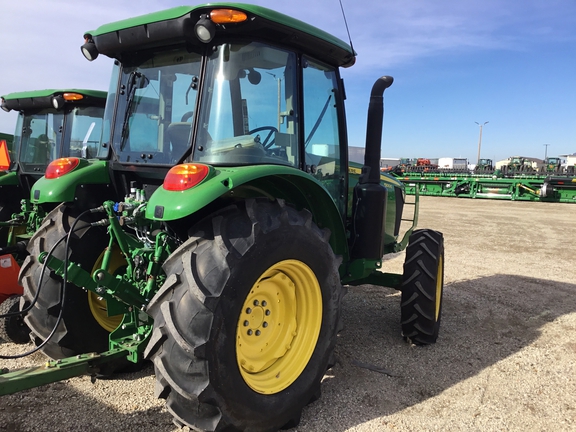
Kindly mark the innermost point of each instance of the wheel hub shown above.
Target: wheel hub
(269, 323)
(270, 350)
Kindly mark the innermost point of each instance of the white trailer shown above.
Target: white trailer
(453, 163)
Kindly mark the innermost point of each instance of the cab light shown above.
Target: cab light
(227, 16)
(3, 105)
(89, 49)
(72, 96)
(185, 176)
(59, 167)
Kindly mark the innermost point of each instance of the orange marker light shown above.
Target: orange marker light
(185, 176)
(59, 167)
(227, 16)
(72, 96)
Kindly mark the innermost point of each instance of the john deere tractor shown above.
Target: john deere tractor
(552, 165)
(235, 221)
(51, 124)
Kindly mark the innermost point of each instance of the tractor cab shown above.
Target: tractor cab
(241, 96)
(50, 124)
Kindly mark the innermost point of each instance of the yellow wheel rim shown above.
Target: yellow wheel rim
(278, 326)
(439, 280)
(98, 305)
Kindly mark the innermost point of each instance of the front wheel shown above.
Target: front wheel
(245, 325)
(422, 287)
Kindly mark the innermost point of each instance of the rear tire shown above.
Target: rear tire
(422, 287)
(252, 275)
(13, 329)
(78, 332)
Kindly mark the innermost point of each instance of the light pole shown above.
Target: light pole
(480, 139)
(546, 151)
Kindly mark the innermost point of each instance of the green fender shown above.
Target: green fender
(9, 178)
(273, 181)
(63, 189)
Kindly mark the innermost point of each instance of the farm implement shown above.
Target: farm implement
(554, 186)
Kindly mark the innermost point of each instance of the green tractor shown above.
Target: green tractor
(484, 166)
(519, 165)
(552, 165)
(51, 124)
(233, 222)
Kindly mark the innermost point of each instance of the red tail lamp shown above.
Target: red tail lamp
(185, 176)
(59, 167)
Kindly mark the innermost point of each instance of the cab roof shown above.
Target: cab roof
(38, 99)
(176, 25)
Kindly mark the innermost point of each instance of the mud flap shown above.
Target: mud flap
(9, 270)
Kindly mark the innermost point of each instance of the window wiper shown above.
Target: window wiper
(318, 121)
(130, 94)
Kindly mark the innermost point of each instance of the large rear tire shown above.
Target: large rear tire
(422, 287)
(245, 325)
(13, 328)
(78, 332)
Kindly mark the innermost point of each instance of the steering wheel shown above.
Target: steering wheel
(187, 116)
(265, 143)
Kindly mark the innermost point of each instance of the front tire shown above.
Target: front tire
(422, 287)
(78, 332)
(246, 323)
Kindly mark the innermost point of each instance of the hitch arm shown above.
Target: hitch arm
(118, 289)
(56, 370)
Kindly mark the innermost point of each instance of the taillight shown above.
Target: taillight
(185, 176)
(59, 167)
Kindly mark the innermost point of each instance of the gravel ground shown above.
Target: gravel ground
(505, 359)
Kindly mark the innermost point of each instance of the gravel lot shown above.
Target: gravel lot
(505, 359)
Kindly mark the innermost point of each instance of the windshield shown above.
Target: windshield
(155, 107)
(247, 115)
(83, 127)
(40, 139)
(248, 107)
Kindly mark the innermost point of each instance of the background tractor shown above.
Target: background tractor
(50, 124)
(484, 166)
(552, 165)
(235, 221)
(518, 164)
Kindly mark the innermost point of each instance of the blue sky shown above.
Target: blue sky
(511, 63)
